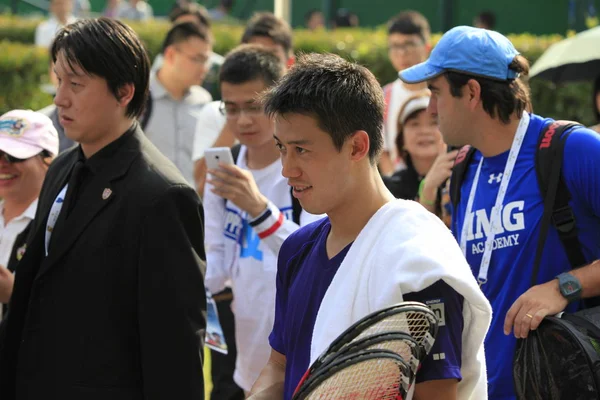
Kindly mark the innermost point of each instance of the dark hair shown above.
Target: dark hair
(227, 4)
(249, 62)
(343, 97)
(488, 19)
(499, 98)
(345, 18)
(410, 23)
(266, 24)
(595, 94)
(108, 49)
(195, 9)
(310, 14)
(182, 32)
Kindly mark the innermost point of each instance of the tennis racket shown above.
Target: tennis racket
(410, 317)
(368, 374)
(399, 343)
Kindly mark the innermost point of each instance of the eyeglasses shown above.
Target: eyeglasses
(200, 60)
(14, 160)
(231, 111)
(407, 47)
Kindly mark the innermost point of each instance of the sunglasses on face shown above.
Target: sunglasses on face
(14, 160)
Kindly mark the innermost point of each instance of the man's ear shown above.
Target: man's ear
(360, 145)
(473, 92)
(125, 94)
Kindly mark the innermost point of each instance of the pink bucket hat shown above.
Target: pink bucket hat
(25, 133)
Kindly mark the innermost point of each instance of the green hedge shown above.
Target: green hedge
(22, 68)
(366, 46)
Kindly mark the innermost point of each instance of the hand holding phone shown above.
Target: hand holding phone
(216, 155)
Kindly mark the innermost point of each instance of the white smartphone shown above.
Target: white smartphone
(216, 155)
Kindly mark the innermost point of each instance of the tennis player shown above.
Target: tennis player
(371, 251)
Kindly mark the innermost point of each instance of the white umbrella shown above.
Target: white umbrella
(574, 59)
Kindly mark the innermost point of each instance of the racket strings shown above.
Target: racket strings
(403, 348)
(416, 324)
(368, 379)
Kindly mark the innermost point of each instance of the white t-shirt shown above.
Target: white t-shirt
(248, 257)
(396, 95)
(209, 126)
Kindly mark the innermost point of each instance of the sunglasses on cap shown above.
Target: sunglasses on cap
(14, 160)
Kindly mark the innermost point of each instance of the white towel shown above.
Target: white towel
(403, 249)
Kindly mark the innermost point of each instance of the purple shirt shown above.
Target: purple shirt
(303, 276)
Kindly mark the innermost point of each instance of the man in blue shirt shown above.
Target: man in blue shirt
(371, 250)
(479, 100)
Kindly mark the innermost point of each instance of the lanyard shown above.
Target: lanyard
(53, 216)
(495, 214)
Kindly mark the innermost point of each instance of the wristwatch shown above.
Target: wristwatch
(569, 286)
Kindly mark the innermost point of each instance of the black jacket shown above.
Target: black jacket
(117, 310)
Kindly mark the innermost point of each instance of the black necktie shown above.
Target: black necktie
(77, 175)
(70, 198)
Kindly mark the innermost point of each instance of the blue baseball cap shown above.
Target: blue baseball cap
(469, 50)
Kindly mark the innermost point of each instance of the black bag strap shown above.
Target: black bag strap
(147, 112)
(461, 164)
(235, 152)
(296, 207)
(554, 191)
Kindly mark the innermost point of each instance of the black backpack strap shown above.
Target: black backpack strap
(235, 152)
(554, 191)
(296, 207)
(147, 112)
(461, 163)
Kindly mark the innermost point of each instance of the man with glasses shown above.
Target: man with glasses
(196, 13)
(28, 142)
(408, 45)
(263, 28)
(176, 98)
(276, 34)
(249, 208)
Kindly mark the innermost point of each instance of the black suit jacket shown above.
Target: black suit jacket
(117, 310)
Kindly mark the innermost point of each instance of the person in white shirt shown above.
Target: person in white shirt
(249, 208)
(61, 14)
(28, 143)
(408, 45)
(176, 99)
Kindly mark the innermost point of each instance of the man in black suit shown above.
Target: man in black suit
(109, 299)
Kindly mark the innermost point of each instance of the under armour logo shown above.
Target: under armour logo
(496, 178)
